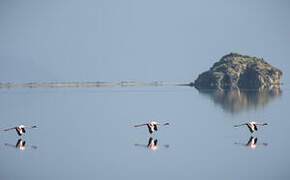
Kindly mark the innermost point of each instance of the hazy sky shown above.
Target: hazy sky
(87, 133)
(61, 40)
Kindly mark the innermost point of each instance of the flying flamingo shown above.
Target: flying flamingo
(20, 129)
(152, 144)
(252, 125)
(252, 143)
(152, 126)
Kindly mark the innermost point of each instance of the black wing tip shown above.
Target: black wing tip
(251, 130)
(155, 142)
(255, 140)
(155, 127)
(255, 127)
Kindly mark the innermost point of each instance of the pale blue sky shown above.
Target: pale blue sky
(108, 40)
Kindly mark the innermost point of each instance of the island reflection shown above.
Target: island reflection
(236, 101)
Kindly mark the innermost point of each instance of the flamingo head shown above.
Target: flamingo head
(21, 126)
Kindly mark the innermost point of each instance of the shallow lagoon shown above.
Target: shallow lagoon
(88, 133)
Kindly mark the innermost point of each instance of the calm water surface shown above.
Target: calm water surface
(87, 133)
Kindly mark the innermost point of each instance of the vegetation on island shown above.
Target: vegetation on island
(235, 71)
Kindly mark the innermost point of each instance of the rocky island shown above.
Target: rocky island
(235, 71)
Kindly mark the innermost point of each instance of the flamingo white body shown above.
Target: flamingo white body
(252, 125)
(152, 126)
(20, 129)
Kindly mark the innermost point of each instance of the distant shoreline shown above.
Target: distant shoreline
(93, 84)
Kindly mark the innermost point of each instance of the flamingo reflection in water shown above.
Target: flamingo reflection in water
(21, 145)
(252, 143)
(152, 144)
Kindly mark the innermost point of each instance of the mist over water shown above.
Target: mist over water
(88, 133)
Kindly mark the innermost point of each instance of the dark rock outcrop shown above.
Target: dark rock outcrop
(235, 71)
